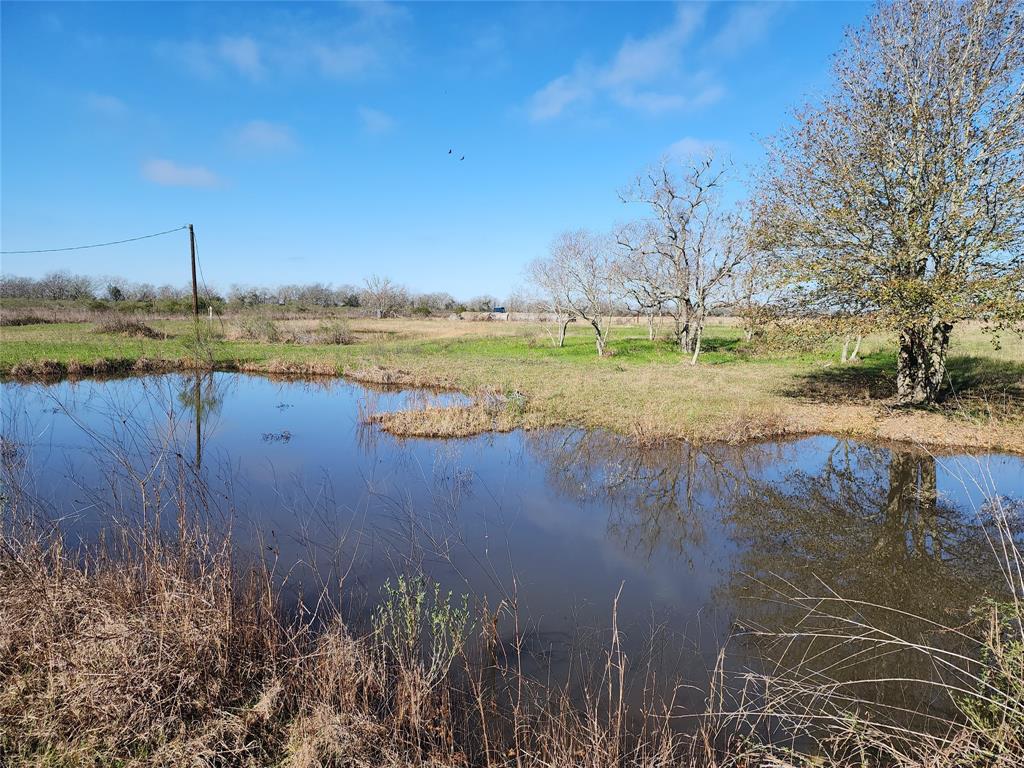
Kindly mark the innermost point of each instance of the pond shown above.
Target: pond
(702, 547)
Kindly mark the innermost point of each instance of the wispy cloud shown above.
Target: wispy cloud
(375, 121)
(242, 53)
(747, 24)
(653, 74)
(691, 147)
(632, 77)
(264, 136)
(349, 41)
(169, 174)
(105, 104)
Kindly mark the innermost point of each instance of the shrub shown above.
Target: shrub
(127, 326)
(24, 320)
(334, 332)
(259, 329)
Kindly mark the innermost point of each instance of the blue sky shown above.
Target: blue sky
(310, 141)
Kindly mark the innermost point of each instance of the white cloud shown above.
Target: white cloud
(170, 174)
(375, 121)
(105, 104)
(653, 74)
(551, 100)
(689, 147)
(747, 24)
(640, 61)
(264, 136)
(345, 41)
(344, 59)
(632, 78)
(243, 54)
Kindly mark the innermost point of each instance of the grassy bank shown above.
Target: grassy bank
(738, 391)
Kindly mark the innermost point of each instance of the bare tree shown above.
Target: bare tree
(547, 279)
(382, 296)
(64, 285)
(697, 243)
(578, 277)
(901, 191)
(639, 272)
(755, 290)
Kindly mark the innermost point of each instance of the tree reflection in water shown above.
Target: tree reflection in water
(868, 524)
(891, 558)
(659, 497)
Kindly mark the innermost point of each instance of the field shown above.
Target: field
(737, 391)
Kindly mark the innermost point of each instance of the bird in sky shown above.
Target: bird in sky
(449, 151)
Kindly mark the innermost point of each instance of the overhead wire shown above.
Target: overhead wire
(97, 245)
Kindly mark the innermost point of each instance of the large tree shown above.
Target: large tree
(902, 190)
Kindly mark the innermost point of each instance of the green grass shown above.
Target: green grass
(737, 390)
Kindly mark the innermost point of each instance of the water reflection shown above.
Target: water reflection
(701, 541)
(202, 399)
(870, 523)
(867, 548)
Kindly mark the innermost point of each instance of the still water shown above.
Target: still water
(699, 544)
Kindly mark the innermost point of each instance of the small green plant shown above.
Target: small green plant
(420, 629)
(996, 712)
(515, 403)
(200, 345)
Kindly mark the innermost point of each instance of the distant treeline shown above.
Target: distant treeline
(378, 295)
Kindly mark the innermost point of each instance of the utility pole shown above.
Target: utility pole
(195, 287)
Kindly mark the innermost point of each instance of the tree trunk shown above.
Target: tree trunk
(846, 348)
(683, 317)
(683, 334)
(696, 345)
(921, 364)
(856, 348)
(599, 338)
(650, 327)
(561, 332)
(698, 332)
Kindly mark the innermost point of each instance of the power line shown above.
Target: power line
(100, 245)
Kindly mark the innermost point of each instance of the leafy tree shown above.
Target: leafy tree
(902, 191)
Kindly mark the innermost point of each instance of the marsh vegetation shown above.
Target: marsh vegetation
(542, 598)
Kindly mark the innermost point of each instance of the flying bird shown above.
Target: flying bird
(462, 158)
(449, 151)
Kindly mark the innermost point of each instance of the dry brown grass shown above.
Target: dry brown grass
(160, 652)
(733, 404)
(158, 646)
(278, 367)
(47, 370)
(130, 327)
(444, 422)
(155, 651)
(384, 376)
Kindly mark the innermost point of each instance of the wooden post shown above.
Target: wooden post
(195, 287)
